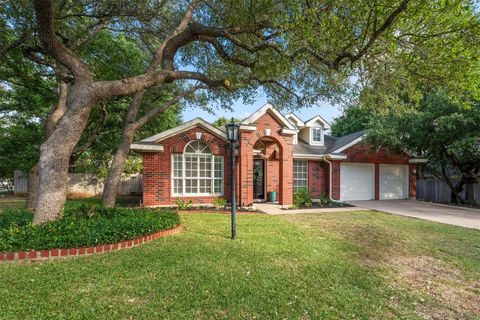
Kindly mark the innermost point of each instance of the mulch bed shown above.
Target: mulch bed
(318, 205)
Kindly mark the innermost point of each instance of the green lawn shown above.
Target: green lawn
(365, 265)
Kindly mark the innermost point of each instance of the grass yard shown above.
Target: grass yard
(364, 265)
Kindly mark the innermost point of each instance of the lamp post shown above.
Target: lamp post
(233, 130)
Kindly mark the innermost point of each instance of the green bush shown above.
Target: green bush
(324, 200)
(220, 202)
(81, 226)
(302, 198)
(183, 204)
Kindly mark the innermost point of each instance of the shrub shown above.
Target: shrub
(81, 226)
(183, 204)
(324, 200)
(220, 202)
(302, 198)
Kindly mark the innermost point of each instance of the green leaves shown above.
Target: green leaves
(82, 226)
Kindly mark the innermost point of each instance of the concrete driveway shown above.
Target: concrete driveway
(463, 217)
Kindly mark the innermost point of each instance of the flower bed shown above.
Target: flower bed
(83, 226)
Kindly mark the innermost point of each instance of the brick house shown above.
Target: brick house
(275, 153)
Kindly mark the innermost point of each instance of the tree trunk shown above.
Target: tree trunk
(55, 154)
(118, 163)
(56, 113)
(33, 185)
(454, 190)
(117, 166)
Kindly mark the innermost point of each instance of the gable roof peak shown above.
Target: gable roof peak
(293, 117)
(184, 127)
(317, 118)
(274, 111)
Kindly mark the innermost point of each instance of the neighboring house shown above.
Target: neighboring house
(275, 153)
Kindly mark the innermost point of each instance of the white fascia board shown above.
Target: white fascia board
(418, 160)
(299, 121)
(325, 123)
(289, 132)
(146, 147)
(268, 107)
(308, 156)
(348, 145)
(319, 156)
(248, 127)
(337, 156)
(184, 127)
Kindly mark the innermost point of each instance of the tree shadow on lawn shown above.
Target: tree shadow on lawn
(437, 263)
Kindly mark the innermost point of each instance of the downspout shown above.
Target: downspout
(330, 177)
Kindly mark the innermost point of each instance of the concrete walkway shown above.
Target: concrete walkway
(458, 216)
(271, 208)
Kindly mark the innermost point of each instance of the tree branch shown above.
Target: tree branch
(153, 113)
(95, 134)
(14, 44)
(58, 110)
(376, 33)
(46, 29)
(224, 55)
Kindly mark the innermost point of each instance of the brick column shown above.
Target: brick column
(286, 177)
(335, 180)
(377, 181)
(412, 180)
(245, 169)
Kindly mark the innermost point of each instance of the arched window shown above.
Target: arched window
(259, 147)
(197, 172)
(197, 146)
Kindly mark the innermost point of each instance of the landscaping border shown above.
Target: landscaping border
(74, 252)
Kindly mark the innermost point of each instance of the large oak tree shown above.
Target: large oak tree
(298, 51)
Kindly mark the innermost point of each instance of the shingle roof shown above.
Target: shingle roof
(343, 141)
(331, 144)
(304, 148)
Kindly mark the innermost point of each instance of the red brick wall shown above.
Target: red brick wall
(285, 162)
(272, 162)
(364, 153)
(157, 168)
(318, 177)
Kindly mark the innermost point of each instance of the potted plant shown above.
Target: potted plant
(273, 195)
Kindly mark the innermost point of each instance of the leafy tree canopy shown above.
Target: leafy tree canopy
(441, 130)
(353, 119)
(222, 121)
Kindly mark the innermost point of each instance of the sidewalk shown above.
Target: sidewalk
(270, 208)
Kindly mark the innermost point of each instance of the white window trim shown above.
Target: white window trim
(313, 142)
(306, 179)
(183, 178)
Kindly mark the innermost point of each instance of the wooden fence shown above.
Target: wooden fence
(86, 185)
(435, 190)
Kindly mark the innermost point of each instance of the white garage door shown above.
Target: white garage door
(357, 181)
(393, 181)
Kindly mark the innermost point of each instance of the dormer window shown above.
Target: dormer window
(317, 135)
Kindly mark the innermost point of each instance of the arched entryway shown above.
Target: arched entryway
(266, 170)
(265, 166)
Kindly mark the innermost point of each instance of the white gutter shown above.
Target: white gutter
(146, 147)
(319, 157)
(417, 160)
(330, 177)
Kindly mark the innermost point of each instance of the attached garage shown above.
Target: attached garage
(393, 182)
(357, 181)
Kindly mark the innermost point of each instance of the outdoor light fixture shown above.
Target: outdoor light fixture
(233, 130)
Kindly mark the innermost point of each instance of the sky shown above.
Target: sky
(327, 111)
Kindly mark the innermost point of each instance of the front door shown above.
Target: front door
(259, 179)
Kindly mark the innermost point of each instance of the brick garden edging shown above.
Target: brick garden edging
(74, 252)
